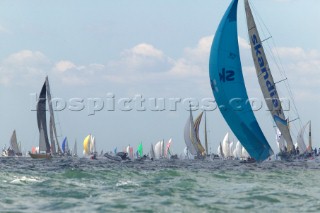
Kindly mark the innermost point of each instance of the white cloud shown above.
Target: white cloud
(23, 67)
(71, 74)
(142, 58)
(145, 66)
(63, 66)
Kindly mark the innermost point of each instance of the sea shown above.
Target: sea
(84, 185)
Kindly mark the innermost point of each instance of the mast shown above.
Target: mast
(205, 132)
(53, 134)
(265, 78)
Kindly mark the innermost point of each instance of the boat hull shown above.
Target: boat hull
(40, 155)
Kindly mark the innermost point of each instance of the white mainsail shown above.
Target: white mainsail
(265, 78)
(231, 147)
(300, 139)
(190, 137)
(162, 148)
(186, 153)
(245, 154)
(220, 151)
(280, 141)
(14, 143)
(152, 154)
(237, 153)
(187, 138)
(157, 150)
(226, 146)
(93, 145)
(75, 149)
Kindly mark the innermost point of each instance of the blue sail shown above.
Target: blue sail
(229, 90)
(64, 145)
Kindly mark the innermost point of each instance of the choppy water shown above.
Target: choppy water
(83, 185)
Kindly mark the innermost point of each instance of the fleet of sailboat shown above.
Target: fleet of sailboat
(229, 89)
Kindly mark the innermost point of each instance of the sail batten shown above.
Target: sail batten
(229, 90)
(265, 78)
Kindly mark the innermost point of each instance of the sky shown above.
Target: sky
(116, 50)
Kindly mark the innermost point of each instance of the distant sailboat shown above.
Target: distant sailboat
(44, 146)
(65, 147)
(227, 84)
(54, 147)
(300, 139)
(159, 150)
(237, 153)
(14, 149)
(75, 149)
(191, 136)
(167, 152)
(226, 146)
(152, 154)
(140, 150)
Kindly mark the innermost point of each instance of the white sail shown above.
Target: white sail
(300, 139)
(92, 145)
(152, 154)
(14, 143)
(162, 149)
(75, 149)
(157, 150)
(226, 146)
(265, 78)
(280, 141)
(237, 153)
(244, 154)
(167, 149)
(187, 137)
(186, 153)
(219, 149)
(231, 147)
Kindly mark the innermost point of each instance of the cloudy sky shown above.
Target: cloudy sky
(92, 50)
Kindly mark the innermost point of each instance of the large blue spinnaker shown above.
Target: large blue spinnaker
(229, 90)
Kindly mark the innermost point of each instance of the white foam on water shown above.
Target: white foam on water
(126, 183)
(25, 179)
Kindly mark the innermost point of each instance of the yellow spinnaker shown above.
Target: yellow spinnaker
(86, 145)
